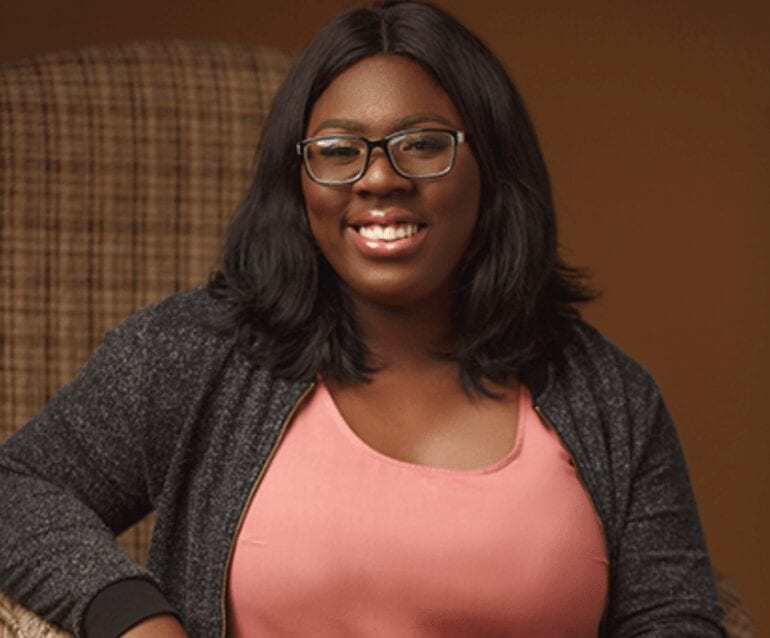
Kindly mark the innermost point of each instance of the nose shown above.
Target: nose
(380, 178)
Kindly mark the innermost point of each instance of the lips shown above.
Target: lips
(386, 225)
(392, 232)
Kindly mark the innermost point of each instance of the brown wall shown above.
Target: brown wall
(654, 119)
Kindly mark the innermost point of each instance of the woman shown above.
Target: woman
(383, 416)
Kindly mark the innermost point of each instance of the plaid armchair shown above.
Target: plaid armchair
(119, 169)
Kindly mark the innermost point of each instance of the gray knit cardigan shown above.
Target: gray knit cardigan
(169, 415)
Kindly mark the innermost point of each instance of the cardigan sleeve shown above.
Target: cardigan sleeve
(661, 578)
(610, 415)
(75, 476)
(663, 581)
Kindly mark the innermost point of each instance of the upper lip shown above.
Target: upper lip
(384, 217)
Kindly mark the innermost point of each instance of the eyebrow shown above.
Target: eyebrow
(403, 123)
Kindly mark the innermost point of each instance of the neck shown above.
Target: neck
(405, 337)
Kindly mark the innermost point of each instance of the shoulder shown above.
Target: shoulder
(176, 336)
(600, 392)
(595, 351)
(185, 321)
(191, 313)
(595, 363)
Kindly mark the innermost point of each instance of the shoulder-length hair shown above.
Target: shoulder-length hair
(515, 299)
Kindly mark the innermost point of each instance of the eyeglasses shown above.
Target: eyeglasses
(414, 153)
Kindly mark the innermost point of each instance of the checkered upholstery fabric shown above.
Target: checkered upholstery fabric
(120, 167)
(18, 622)
(737, 620)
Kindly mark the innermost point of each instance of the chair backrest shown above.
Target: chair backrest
(120, 167)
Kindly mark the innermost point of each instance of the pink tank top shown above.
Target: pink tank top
(341, 540)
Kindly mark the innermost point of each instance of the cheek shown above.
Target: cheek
(311, 196)
(325, 208)
(322, 207)
(464, 198)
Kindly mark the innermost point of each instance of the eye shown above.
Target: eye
(337, 150)
(424, 143)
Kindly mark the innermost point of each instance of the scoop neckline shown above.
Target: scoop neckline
(508, 458)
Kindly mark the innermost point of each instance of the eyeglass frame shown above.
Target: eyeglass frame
(458, 137)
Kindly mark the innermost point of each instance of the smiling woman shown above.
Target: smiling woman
(383, 416)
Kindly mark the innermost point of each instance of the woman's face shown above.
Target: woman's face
(432, 219)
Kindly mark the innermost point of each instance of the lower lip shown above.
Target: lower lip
(379, 248)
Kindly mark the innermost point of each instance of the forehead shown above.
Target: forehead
(380, 93)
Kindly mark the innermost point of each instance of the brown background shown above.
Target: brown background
(654, 120)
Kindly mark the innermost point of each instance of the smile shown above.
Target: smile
(395, 239)
(389, 232)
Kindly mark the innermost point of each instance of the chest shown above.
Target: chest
(431, 425)
(365, 543)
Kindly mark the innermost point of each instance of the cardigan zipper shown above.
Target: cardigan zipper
(255, 485)
(579, 475)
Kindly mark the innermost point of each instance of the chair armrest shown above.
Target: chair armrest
(18, 622)
(737, 620)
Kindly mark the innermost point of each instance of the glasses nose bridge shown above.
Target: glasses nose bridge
(381, 144)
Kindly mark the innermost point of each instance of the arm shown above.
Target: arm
(662, 579)
(620, 434)
(163, 626)
(72, 478)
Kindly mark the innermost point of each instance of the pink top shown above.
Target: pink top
(341, 540)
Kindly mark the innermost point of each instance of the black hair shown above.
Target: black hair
(515, 303)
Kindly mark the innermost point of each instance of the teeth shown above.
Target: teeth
(388, 233)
